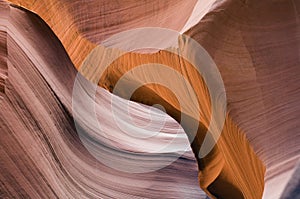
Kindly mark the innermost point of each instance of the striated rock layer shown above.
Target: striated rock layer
(41, 153)
(255, 46)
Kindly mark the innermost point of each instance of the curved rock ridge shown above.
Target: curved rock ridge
(223, 165)
(255, 46)
(214, 168)
(87, 23)
(41, 153)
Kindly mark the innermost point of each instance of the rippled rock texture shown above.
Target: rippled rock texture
(68, 130)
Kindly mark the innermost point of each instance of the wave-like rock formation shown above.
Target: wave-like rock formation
(41, 153)
(61, 132)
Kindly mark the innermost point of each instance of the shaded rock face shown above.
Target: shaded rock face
(50, 149)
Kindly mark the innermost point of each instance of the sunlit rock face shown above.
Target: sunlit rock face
(76, 123)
